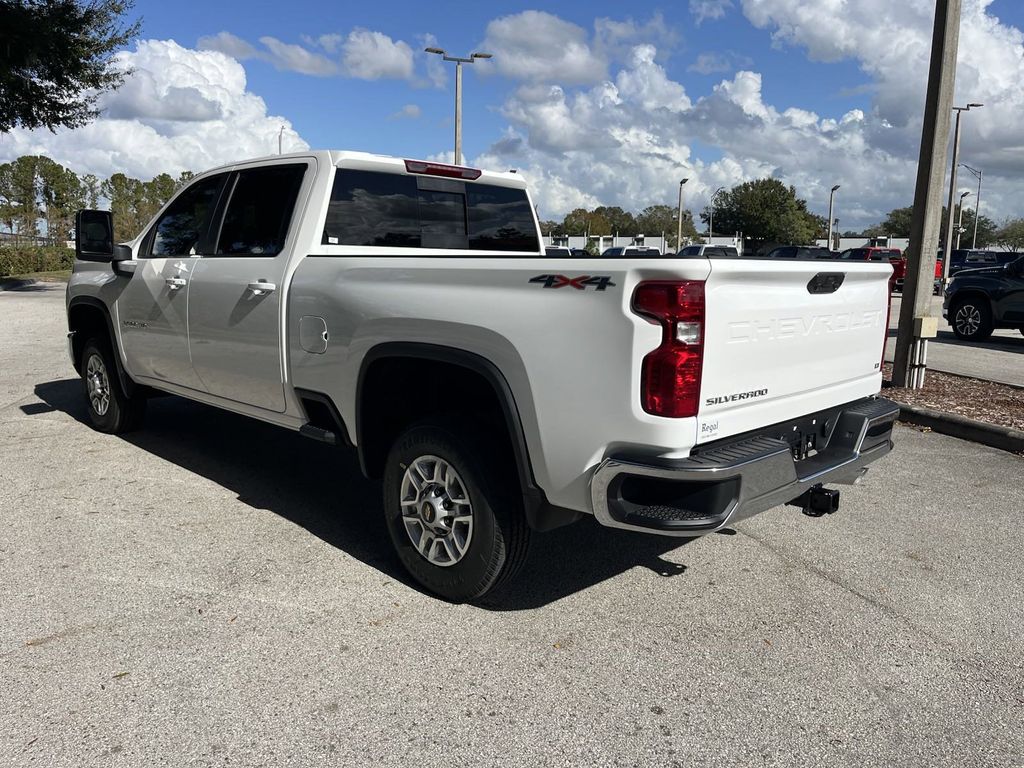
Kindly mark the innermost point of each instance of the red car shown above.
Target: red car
(893, 255)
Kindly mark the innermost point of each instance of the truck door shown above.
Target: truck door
(236, 298)
(152, 308)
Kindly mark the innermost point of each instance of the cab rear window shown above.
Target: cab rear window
(390, 209)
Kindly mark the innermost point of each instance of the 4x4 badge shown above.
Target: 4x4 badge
(600, 282)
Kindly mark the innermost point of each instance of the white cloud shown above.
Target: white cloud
(408, 112)
(537, 46)
(225, 42)
(368, 55)
(364, 55)
(295, 58)
(180, 109)
(437, 74)
(709, 9)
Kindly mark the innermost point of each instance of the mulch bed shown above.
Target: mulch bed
(980, 400)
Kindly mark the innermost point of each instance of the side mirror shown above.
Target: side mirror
(94, 235)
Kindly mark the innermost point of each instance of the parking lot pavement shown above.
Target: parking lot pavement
(215, 591)
(1000, 358)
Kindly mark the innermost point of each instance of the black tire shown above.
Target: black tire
(971, 318)
(497, 545)
(110, 408)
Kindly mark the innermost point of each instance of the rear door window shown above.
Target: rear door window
(408, 211)
(259, 210)
(691, 250)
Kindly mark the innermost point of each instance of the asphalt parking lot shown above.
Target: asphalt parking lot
(215, 591)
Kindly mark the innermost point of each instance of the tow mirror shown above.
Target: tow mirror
(94, 235)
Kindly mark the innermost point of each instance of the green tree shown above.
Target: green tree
(988, 230)
(547, 227)
(127, 204)
(61, 194)
(768, 211)
(56, 59)
(583, 222)
(620, 222)
(1011, 235)
(657, 219)
(897, 222)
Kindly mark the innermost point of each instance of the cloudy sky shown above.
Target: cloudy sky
(594, 104)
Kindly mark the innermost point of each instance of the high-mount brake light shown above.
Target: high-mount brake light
(670, 375)
(442, 169)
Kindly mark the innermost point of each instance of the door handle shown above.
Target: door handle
(174, 283)
(261, 287)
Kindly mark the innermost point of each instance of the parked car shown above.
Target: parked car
(870, 254)
(558, 250)
(980, 300)
(393, 306)
(965, 258)
(630, 250)
(709, 251)
(579, 253)
(800, 252)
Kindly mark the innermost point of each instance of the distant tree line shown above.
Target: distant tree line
(764, 211)
(1008, 235)
(38, 199)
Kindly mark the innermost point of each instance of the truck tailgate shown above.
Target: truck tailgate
(788, 338)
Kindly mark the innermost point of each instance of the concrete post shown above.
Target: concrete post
(924, 228)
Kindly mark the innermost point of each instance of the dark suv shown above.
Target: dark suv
(981, 300)
(972, 259)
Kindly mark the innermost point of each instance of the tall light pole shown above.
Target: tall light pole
(279, 135)
(960, 220)
(831, 200)
(711, 215)
(679, 227)
(977, 204)
(459, 61)
(948, 242)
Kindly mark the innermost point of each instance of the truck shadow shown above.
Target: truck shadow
(322, 490)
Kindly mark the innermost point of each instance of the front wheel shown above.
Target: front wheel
(110, 408)
(454, 511)
(971, 319)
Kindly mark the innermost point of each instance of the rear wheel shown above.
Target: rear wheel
(110, 408)
(971, 319)
(454, 511)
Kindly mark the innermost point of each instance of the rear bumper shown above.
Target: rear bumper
(700, 494)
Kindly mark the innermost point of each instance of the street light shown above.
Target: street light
(831, 200)
(711, 216)
(960, 219)
(459, 61)
(977, 203)
(948, 242)
(679, 227)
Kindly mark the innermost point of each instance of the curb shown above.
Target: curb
(14, 283)
(1004, 438)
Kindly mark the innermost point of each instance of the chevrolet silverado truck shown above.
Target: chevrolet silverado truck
(406, 309)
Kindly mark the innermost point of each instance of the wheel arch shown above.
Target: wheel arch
(373, 448)
(88, 316)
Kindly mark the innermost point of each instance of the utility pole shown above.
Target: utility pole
(459, 61)
(279, 135)
(960, 220)
(831, 200)
(977, 204)
(916, 324)
(948, 243)
(679, 227)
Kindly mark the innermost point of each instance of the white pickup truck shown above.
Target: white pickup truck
(406, 309)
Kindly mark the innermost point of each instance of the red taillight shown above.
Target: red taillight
(442, 169)
(670, 376)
